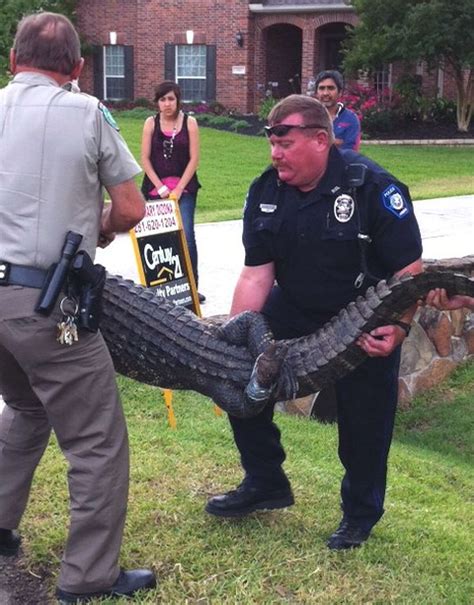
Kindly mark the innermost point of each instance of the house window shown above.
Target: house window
(440, 83)
(383, 83)
(190, 68)
(114, 72)
(193, 67)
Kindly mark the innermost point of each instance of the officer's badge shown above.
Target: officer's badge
(108, 116)
(344, 207)
(394, 201)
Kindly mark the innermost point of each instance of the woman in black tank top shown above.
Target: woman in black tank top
(170, 156)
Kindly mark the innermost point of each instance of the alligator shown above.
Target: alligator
(162, 344)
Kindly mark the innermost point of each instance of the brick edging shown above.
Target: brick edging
(418, 142)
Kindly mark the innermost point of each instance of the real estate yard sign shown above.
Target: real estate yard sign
(163, 262)
(162, 254)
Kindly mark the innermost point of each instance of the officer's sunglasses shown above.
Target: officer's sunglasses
(281, 130)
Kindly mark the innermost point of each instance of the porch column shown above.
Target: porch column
(307, 59)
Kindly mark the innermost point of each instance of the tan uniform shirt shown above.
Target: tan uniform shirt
(57, 151)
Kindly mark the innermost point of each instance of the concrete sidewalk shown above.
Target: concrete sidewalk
(447, 228)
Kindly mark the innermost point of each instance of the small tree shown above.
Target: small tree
(439, 32)
(11, 11)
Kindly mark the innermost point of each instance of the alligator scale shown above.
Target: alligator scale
(164, 345)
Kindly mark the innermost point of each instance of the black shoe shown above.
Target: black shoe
(126, 585)
(201, 297)
(9, 542)
(246, 499)
(347, 535)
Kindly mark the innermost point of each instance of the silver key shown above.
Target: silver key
(67, 331)
(67, 328)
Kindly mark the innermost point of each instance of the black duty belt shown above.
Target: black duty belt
(19, 275)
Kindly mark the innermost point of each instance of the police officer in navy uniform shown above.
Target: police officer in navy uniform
(58, 150)
(320, 226)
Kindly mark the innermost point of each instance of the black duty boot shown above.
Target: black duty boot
(247, 499)
(9, 542)
(126, 585)
(347, 535)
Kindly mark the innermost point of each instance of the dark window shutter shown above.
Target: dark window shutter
(98, 63)
(211, 73)
(129, 89)
(170, 58)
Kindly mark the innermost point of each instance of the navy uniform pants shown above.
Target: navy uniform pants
(366, 405)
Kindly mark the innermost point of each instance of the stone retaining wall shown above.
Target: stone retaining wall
(438, 342)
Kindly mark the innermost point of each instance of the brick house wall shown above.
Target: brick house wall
(435, 82)
(309, 25)
(148, 26)
(95, 20)
(282, 41)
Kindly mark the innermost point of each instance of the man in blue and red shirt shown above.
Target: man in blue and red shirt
(345, 123)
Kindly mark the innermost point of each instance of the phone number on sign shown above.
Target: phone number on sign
(156, 224)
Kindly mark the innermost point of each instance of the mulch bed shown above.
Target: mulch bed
(426, 131)
(410, 132)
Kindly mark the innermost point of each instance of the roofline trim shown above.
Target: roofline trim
(314, 8)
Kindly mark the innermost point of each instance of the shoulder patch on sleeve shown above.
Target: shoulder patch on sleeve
(108, 116)
(394, 201)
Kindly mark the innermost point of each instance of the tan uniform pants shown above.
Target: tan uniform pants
(72, 390)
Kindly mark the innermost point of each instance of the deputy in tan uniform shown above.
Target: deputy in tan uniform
(58, 149)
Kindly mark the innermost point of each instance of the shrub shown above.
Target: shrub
(4, 79)
(195, 107)
(410, 102)
(364, 99)
(200, 107)
(441, 111)
(207, 119)
(221, 121)
(266, 106)
(144, 102)
(119, 104)
(240, 125)
(379, 120)
(217, 108)
(377, 111)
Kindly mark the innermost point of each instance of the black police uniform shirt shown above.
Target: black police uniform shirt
(312, 237)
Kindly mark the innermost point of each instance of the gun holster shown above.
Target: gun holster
(86, 284)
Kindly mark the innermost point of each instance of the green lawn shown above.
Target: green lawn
(420, 553)
(229, 163)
